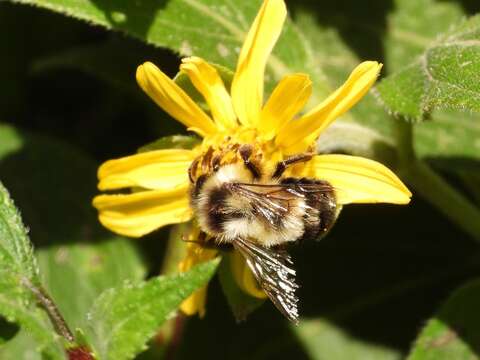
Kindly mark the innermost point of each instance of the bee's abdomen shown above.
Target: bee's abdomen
(321, 205)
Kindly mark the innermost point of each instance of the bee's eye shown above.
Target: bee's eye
(199, 184)
(245, 152)
(216, 163)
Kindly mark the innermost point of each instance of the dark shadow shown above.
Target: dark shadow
(384, 269)
(7, 330)
(471, 7)
(136, 17)
(52, 184)
(68, 101)
(460, 314)
(455, 164)
(361, 25)
(266, 334)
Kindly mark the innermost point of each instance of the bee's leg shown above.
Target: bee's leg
(245, 152)
(283, 165)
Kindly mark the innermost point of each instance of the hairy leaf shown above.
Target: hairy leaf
(16, 252)
(454, 332)
(123, 319)
(450, 140)
(18, 274)
(445, 75)
(75, 275)
(413, 26)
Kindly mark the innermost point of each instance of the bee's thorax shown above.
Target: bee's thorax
(232, 203)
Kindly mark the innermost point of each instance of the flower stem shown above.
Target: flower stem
(445, 198)
(433, 187)
(73, 351)
(51, 309)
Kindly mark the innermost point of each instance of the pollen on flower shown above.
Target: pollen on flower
(223, 149)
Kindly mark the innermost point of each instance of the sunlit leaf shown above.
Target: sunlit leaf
(445, 75)
(18, 274)
(123, 319)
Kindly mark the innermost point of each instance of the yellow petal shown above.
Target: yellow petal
(140, 213)
(359, 180)
(247, 85)
(309, 127)
(244, 276)
(196, 254)
(208, 82)
(287, 99)
(171, 98)
(195, 303)
(159, 169)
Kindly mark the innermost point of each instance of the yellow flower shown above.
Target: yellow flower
(240, 116)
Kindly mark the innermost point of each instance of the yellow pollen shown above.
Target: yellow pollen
(222, 148)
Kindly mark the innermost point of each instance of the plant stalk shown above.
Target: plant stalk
(445, 198)
(433, 187)
(52, 311)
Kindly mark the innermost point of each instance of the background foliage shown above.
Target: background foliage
(387, 283)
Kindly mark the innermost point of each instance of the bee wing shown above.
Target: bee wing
(273, 201)
(273, 271)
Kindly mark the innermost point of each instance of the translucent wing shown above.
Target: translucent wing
(273, 201)
(273, 271)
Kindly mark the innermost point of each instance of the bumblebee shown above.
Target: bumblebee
(258, 213)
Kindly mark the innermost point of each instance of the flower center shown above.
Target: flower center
(223, 148)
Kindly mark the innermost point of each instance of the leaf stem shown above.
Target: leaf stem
(433, 187)
(51, 308)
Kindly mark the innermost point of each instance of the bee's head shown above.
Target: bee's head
(215, 201)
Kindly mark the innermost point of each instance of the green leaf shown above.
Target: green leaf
(413, 25)
(454, 332)
(123, 319)
(446, 75)
(322, 340)
(450, 141)
(22, 346)
(18, 274)
(16, 252)
(40, 168)
(75, 275)
(452, 136)
(215, 30)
